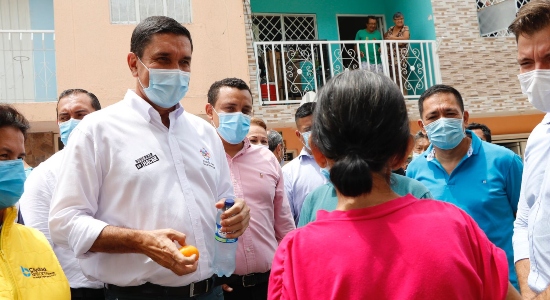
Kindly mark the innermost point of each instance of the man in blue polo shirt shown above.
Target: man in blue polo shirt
(481, 178)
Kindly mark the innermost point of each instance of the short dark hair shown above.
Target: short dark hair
(10, 117)
(361, 123)
(229, 82)
(146, 29)
(439, 89)
(486, 131)
(420, 135)
(398, 15)
(305, 110)
(371, 18)
(95, 102)
(531, 18)
(274, 139)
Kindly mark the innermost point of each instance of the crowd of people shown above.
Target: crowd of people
(366, 210)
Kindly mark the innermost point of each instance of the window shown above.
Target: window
(494, 16)
(270, 28)
(133, 11)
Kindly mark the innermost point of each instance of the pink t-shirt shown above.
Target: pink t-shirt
(403, 249)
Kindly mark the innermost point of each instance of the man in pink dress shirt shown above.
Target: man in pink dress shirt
(257, 178)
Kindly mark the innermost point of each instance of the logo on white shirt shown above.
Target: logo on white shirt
(206, 160)
(146, 160)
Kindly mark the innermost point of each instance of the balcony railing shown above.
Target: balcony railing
(288, 70)
(27, 66)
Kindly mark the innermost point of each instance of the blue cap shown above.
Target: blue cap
(229, 202)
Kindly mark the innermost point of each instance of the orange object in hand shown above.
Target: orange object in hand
(189, 250)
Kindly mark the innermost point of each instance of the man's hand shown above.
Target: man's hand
(235, 220)
(522, 271)
(160, 247)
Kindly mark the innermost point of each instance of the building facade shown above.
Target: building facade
(284, 49)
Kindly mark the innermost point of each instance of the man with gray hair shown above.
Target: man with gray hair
(276, 145)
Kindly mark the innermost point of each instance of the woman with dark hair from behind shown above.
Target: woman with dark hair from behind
(376, 244)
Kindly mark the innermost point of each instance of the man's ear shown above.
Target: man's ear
(132, 63)
(466, 115)
(208, 110)
(297, 133)
(421, 125)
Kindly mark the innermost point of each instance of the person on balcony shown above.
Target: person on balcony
(257, 178)
(481, 178)
(72, 107)
(370, 59)
(397, 52)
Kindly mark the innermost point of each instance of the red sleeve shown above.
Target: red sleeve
(492, 264)
(281, 281)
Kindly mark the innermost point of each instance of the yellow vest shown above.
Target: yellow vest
(28, 266)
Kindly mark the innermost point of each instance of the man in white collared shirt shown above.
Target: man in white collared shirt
(73, 105)
(143, 174)
(302, 175)
(531, 238)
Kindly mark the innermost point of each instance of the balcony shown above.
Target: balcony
(288, 70)
(27, 66)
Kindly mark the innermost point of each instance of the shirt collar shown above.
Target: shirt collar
(473, 149)
(304, 153)
(245, 148)
(144, 109)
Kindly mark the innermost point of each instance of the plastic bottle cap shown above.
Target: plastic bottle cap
(229, 202)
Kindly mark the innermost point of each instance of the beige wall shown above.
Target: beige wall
(91, 53)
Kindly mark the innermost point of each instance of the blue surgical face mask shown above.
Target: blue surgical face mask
(306, 135)
(233, 126)
(12, 181)
(66, 128)
(445, 133)
(166, 86)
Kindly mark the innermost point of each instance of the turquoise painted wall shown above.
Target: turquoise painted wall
(418, 16)
(325, 10)
(420, 22)
(45, 84)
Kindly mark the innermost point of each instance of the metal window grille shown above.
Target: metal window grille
(133, 11)
(486, 3)
(487, 16)
(271, 28)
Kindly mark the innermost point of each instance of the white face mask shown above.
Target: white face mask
(415, 155)
(536, 85)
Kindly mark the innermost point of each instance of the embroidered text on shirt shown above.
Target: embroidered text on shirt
(146, 160)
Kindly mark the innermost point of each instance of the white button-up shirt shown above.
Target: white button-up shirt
(124, 168)
(35, 207)
(532, 226)
(301, 176)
